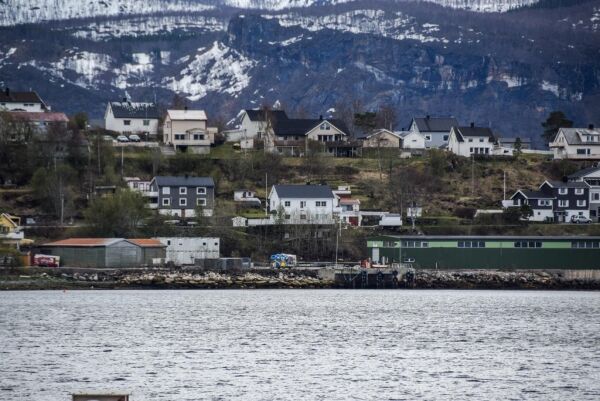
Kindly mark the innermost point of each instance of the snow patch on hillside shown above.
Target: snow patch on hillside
(219, 69)
(148, 26)
(5, 56)
(550, 87)
(484, 5)
(135, 73)
(14, 12)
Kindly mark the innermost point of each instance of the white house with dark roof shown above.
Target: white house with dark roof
(21, 101)
(435, 130)
(577, 143)
(132, 118)
(302, 204)
(253, 124)
(471, 140)
(180, 196)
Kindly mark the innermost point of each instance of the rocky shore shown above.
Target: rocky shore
(66, 278)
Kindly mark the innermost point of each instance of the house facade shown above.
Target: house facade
(27, 123)
(188, 131)
(411, 140)
(302, 204)
(181, 196)
(435, 130)
(382, 138)
(590, 176)
(555, 201)
(472, 140)
(21, 101)
(132, 118)
(577, 143)
(254, 124)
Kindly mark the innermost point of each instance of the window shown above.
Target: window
(480, 139)
(168, 124)
(596, 196)
(578, 191)
(470, 150)
(287, 217)
(428, 137)
(302, 217)
(166, 202)
(166, 190)
(471, 244)
(200, 191)
(198, 137)
(286, 203)
(126, 122)
(583, 151)
(581, 203)
(563, 191)
(179, 137)
(528, 244)
(182, 190)
(544, 202)
(320, 204)
(302, 204)
(563, 203)
(146, 122)
(182, 202)
(585, 244)
(470, 139)
(200, 202)
(445, 137)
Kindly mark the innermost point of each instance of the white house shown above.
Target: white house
(577, 143)
(472, 140)
(188, 131)
(185, 250)
(412, 140)
(435, 130)
(302, 204)
(137, 184)
(21, 101)
(252, 124)
(132, 118)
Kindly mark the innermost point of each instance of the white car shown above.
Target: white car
(578, 219)
(134, 138)
(122, 138)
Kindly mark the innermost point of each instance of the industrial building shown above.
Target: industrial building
(185, 250)
(487, 252)
(105, 252)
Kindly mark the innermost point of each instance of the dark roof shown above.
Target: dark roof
(533, 194)
(584, 172)
(184, 181)
(304, 191)
(259, 115)
(301, 126)
(435, 124)
(20, 97)
(473, 132)
(134, 110)
(562, 184)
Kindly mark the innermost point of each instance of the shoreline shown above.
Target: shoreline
(34, 279)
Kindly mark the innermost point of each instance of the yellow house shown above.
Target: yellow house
(11, 232)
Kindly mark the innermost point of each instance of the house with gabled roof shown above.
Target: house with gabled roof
(435, 130)
(21, 101)
(577, 143)
(251, 124)
(188, 131)
(590, 176)
(132, 118)
(382, 138)
(302, 204)
(181, 196)
(471, 140)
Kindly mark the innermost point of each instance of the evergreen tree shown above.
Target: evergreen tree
(556, 120)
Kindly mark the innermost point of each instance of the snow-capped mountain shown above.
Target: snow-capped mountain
(508, 70)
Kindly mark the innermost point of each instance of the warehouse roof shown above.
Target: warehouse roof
(304, 191)
(85, 242)
(146, 242)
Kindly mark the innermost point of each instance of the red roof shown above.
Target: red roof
(40, 116)
(146, 242)
(88, 242)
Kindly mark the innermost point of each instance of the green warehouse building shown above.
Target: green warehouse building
(487, 252)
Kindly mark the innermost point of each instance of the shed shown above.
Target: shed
(186, 250)
(151, 249)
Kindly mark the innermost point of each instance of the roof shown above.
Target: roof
(472, 131)
(584, 172)
(435, 124)
(301, 126)
(134, 110)
(183, 181)
(304, 191)
(186, 115)
(259, 115)
(345, 201)
(8, 96)
(533, 194)
(40, 116)
(562, 184)
(85, 242)
(492, 237)
(381, 131)
(146, 242)
(573, 135)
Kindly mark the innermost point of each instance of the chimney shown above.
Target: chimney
(472, 124)
(184, 108)
(7, 91)
(591, 126)
(321, 117)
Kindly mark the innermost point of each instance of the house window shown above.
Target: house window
(166, 190)
(200, 191)
(480, 139)
(302, 217)
(563, 203)
(321, 204)
(581, 203)
(286, 203)
(563, 191)
(166, 202)
(470, 139)
(470, 150)
(179, 137)
(182, 190)
(146, 122)
(182, 202)
(200, 202)
(168, 124)
(198, 137)
(428, 137)
(302, 204)
(596, 196)
(126, 122)
(578, 191)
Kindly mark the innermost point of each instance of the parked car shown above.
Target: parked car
(134, 138)
(578, 219)
(108, 138)
(122, 138)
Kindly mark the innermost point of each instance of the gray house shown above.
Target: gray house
(180, 196)
(436, 130)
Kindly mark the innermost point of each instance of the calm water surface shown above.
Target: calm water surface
(301, 345)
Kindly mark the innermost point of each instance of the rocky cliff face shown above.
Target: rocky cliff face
(506, 70)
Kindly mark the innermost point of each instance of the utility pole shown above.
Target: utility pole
(121, 161)
(504, 186)
(266, 196)
(337, 241)
(472, 175)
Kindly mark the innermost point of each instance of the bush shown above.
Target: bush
(465, 212)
